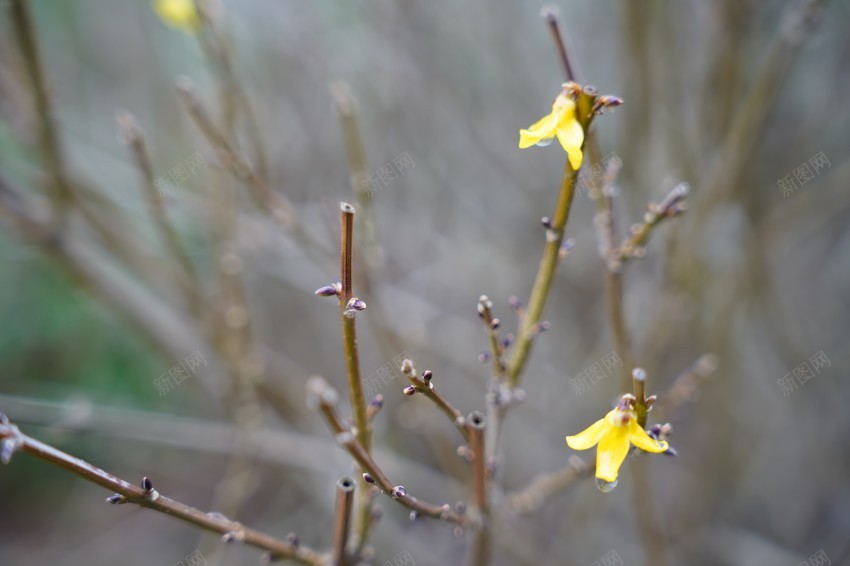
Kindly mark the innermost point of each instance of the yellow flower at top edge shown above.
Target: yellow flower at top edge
(560, 123)
(613, 434)
(180, 14)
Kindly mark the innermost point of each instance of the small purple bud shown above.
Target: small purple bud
(328, 291)
(115, 499)
(378, 401)
(356, 304)
(409, 390)
(543, 326)
(427, 375)
(507, 340)
(495, 324)
(484, 357)
(368, 478)
(293, 539)
(514, 302)
(147, 484)
(399, 491)
(546, 222)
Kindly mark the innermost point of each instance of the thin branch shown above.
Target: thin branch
(550, 14)
(491, 325)
(367, 226)
(133, 137)
(554, 238)
(47, 131)
(672, 205)
(322, 397)
(545, 486)
(602, 196)
(481, 542)
(145, 496)
(217, 50)
(342, 520)
(423, 384)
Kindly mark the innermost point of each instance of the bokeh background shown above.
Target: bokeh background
(733, 97)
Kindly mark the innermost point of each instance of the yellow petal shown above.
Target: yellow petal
(571, 137)
(540, 130)
(611, 452)
(642, 440)
(589, 437)
(180, 14)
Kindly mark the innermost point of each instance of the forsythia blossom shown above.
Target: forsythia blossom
(614, 433)
(560, 123)
(181, 14)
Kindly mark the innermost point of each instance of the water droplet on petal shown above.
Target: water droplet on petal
(544, 143)
(606, 486)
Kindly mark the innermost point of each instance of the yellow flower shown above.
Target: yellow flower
(614, 434)
(181, 14)
(561, 122)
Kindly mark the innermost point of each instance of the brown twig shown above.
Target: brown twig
(133, 137)
(47, 131)
(550, 14)
(480, 555)
(491, 326)
(342, 520)
(348, 307)
(216, 49)
(322, 397)
(672, 205)
(367, 226)
(269, 201)
(145, 496)
(423, 384)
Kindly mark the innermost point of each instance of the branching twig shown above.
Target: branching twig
(322, 397)
(145, 496)
(672, 205)
(423, 384)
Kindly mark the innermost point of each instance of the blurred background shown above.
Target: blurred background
(743, 100)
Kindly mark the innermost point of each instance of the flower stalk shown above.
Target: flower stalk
(554, 238)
